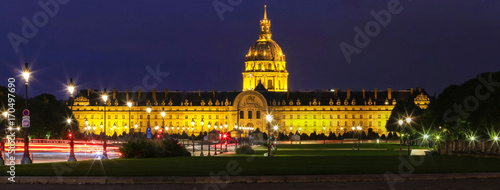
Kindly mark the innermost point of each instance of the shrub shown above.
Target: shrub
(245, 149)
(146, 148)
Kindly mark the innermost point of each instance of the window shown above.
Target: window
(170, 116)
(315, 117)
(242, 116)
(156, 116)
(116, 116)
(217, 117)
(186, 117)
(284, 117)
(123, 116)
(258, 115)
(338, 116)
(370, 116)
(331, 116)
(370, 123)
(379, 123)
(379, 117)
(141, 116)
(291, 116)
(92, 117)
(298, 116)
(354, 116)
(249, 114)
(109, 117)
(361, 116)
(209, 116)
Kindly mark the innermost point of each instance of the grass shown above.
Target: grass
(310, 159)
(301, 165)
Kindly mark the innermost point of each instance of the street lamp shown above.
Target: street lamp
(163, 117)
(400, 122)
(192, 124)
(353, 130)
(269, 119)
(104, 151)
(202, 136)
(86, 125)
(237, 131)
(209, 125)
(129, 105)
(359, 134)
(408, 121)
(71, 90)
(291, 133)
(300, 135)
(148, 109)
(26, 156)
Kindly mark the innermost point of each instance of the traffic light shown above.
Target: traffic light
(70, 135)
(224, 136)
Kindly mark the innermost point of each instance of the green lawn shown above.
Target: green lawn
(335, 150)
(301, 165)
(316, 159)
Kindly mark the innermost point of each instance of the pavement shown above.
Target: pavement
(415, 181)
(420, 184)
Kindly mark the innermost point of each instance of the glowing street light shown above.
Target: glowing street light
(104, 151)
(26, 156)
(495, 138)
(209, 134)
(426, 136)
(129, 105)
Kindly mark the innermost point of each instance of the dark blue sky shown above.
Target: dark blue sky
(108, 44)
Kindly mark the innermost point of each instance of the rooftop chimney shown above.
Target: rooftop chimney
(348, 93)
(389, 93)
(154, 93)
(375, 93)
(139, 93)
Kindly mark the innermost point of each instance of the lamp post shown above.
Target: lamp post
(408, 121)
(353, 130)
(104, 151)
(202, 136)
(209, 132)
(129, 105)
(26, 156)
(277, 136)
(341, 138)
(215, 130)
(269, 119)
(291, 133)
(71, 90)
(148, 109)
(359, 134)
(237, 131)
(300, 136)
(163, 118)
(192, 124)
(2, 145)
(400, 122)
(87, 127)
(225, 138)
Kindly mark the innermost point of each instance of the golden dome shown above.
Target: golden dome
(265, 49)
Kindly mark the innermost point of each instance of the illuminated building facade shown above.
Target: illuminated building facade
(265, 91)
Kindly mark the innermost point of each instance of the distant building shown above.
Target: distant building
(265, 91)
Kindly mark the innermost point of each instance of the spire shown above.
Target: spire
(265, 27)
(265, 12)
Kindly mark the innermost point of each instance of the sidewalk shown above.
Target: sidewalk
(242, 179)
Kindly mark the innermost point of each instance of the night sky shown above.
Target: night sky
(108, 44)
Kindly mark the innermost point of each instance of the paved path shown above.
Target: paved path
(421, 184)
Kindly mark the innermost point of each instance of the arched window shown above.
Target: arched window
(242, 115)
(249, 114)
